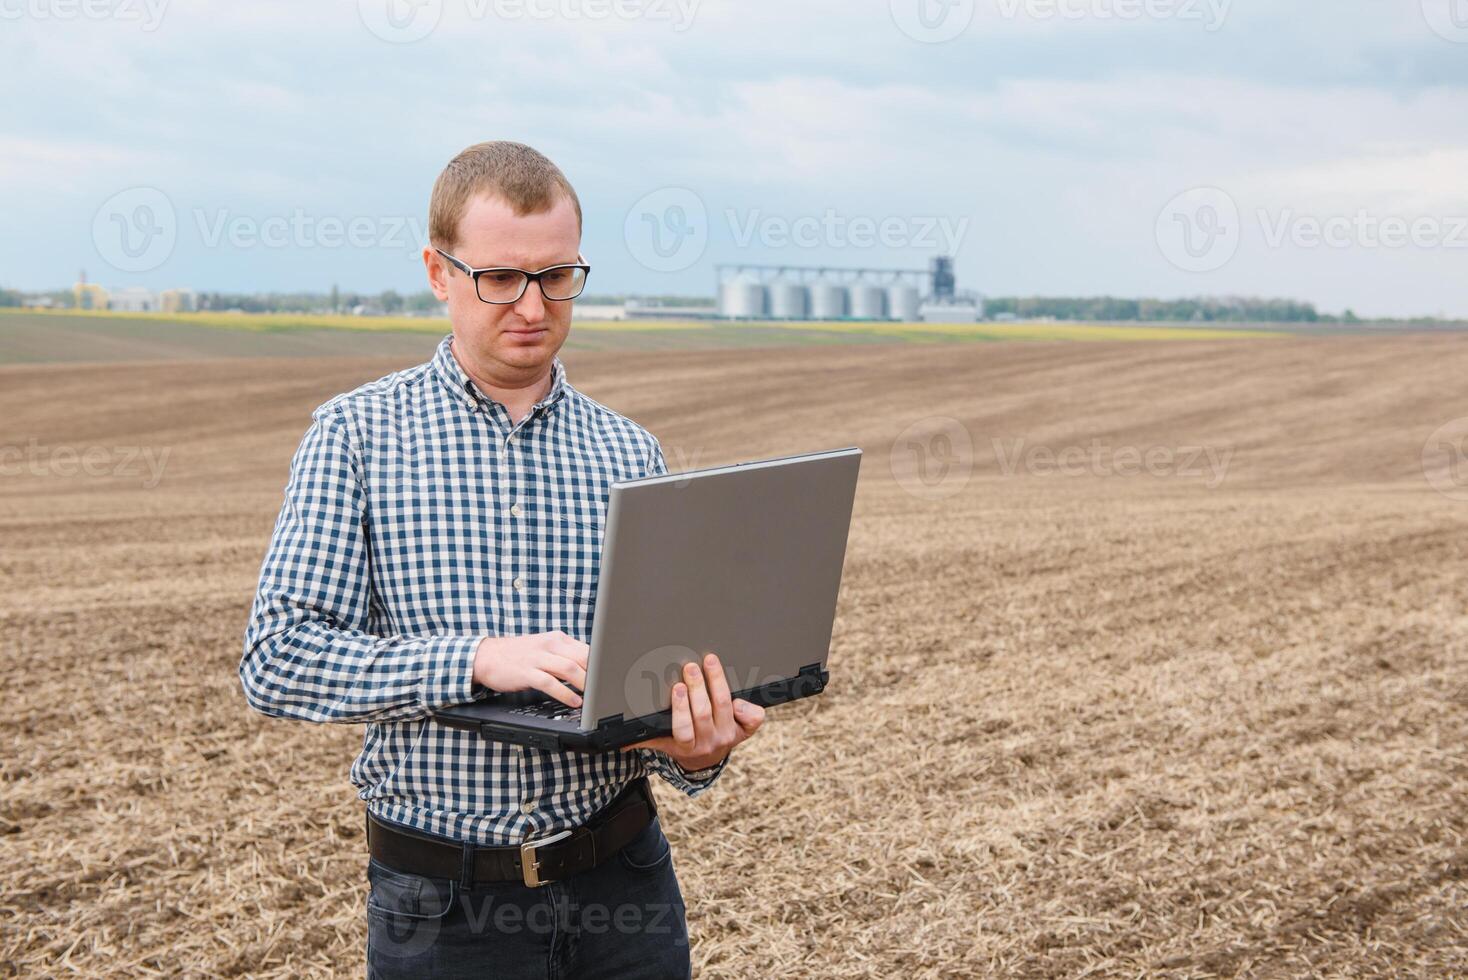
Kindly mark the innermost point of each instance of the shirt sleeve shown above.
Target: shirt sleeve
(308, 651)
(659, 762)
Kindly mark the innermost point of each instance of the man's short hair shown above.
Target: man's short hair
(517, 174)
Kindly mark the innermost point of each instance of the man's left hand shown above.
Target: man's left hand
(707, 721)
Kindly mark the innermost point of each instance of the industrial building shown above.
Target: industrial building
(750, 291)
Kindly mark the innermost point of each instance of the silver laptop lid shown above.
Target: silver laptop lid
(743, 560)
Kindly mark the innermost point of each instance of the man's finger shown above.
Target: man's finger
(749, 716)
(548, 684)
(571, 649)
(718, 691)
(683, 729)
(698, 702)
(568, 670)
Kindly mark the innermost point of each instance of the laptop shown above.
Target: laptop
(742, 560)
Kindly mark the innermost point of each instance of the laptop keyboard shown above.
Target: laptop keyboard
(554, 710)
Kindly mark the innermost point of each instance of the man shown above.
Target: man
(439, 541)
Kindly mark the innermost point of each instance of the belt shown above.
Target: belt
(535, 862)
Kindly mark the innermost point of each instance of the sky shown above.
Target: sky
(1313, 150)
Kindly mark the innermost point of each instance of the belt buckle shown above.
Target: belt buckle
(529, 866)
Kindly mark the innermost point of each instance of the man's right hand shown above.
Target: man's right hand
(543, 661)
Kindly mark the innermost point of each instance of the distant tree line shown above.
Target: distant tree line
(1232, 309)
(388, 301)
(1224, 309)
(336, 301)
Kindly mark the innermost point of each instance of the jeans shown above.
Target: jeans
(623, 919)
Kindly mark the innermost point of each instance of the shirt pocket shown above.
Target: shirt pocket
(579, 527)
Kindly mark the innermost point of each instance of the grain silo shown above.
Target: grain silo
(789, 300)
(743, 298)
(868, 302)
(903, 302)
(827, 301)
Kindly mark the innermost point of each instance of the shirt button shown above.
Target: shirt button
(527, 807)
(519, 583)
(515, 509)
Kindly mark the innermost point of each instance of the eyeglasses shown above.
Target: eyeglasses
(501, 284)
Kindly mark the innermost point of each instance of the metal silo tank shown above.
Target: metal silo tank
(743, 298)
(868, 302)
(827, 301)
(789, 301)
(903, 303)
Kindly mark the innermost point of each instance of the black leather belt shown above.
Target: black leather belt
(535, 862)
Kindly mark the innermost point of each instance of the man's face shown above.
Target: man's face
(520, 337)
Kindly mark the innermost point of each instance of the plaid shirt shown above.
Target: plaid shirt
(417, 521)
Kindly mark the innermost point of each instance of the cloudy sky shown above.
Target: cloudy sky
(1315, 149)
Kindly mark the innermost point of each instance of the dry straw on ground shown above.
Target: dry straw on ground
(1079, 725)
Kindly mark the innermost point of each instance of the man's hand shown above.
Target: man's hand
(540, 660)
(707, 723)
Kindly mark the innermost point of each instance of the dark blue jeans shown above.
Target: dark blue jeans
(622, 919)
